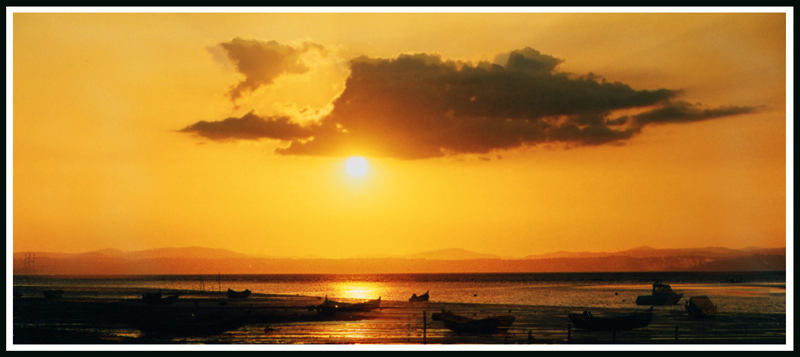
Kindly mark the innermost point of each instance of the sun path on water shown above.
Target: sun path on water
(357, 166)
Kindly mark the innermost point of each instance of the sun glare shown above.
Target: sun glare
(356, 166)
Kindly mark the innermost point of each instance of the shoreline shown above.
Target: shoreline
(91, 316)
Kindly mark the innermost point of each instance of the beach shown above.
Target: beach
(105, 316)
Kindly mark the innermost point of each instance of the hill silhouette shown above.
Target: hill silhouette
(199, 260)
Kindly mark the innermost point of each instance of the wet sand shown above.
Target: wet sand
(104, 316)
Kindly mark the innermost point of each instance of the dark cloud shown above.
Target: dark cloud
(261, 62)
(420, 106)
(249, 127)
(681, 112)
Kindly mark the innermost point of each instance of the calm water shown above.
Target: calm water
(732, 292)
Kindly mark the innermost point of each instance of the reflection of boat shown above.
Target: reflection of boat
(423, 297)
(662, 295)
(233, 294)
(194, 324)
(158, 299)
(461, 324)
(329, 307)
(700, 307)
(53, 294)
(588, 321)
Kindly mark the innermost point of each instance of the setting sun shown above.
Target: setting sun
(401, 176)
(356, 166)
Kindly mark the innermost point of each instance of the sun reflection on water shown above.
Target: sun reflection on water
(358, 290)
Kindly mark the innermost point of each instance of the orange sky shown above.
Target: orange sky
(483, 131)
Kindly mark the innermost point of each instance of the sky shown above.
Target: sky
(511, 132)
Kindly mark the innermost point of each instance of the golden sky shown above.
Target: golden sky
(510, 133)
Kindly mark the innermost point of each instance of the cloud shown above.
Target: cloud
(682, 112)
(249, 127)
(418, 106)
(261, 62)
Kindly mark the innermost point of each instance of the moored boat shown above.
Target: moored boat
(423, 297)
(614, 322)
(330, 307)
(233, 294)
(159, 299)
(700, 307)
(462, 324)
(661, 294)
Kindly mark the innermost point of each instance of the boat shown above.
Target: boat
(423, 297)
(462, 324)
(233, 294)
(330, 307)
(700, 307)
(589, 321)
(53, 294)
(158, 299)
(194, 324)
(662, 294)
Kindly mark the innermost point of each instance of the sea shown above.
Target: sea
(733, 292)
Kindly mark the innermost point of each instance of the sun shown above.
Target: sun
(356, 166)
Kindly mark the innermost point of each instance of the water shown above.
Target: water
(731, 292)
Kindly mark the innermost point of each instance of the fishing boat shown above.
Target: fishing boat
(462, 324)
(700, 307)
(423, 297)
(662, 294)
(158, 299)
(194, 324)
(612, 322)
(53, 294)
(233, 294)
(330, 307)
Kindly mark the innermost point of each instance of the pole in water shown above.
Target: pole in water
(569, 333)
(676, 333)
(424, 328)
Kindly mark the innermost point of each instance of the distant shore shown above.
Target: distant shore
(102, 316)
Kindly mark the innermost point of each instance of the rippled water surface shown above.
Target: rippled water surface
(733, 292)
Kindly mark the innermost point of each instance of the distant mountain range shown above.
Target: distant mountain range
(442, 254)
(199, 260)
(649, 252)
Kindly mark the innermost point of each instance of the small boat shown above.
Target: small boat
(158, 299)
(588, 321)
(662, 294)
(423, 297)
(53, 294)
(700, 307)
(233, 294)
(461, 324)
(194, 324)
(330, 307)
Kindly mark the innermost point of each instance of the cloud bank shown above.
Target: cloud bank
(420, 106)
